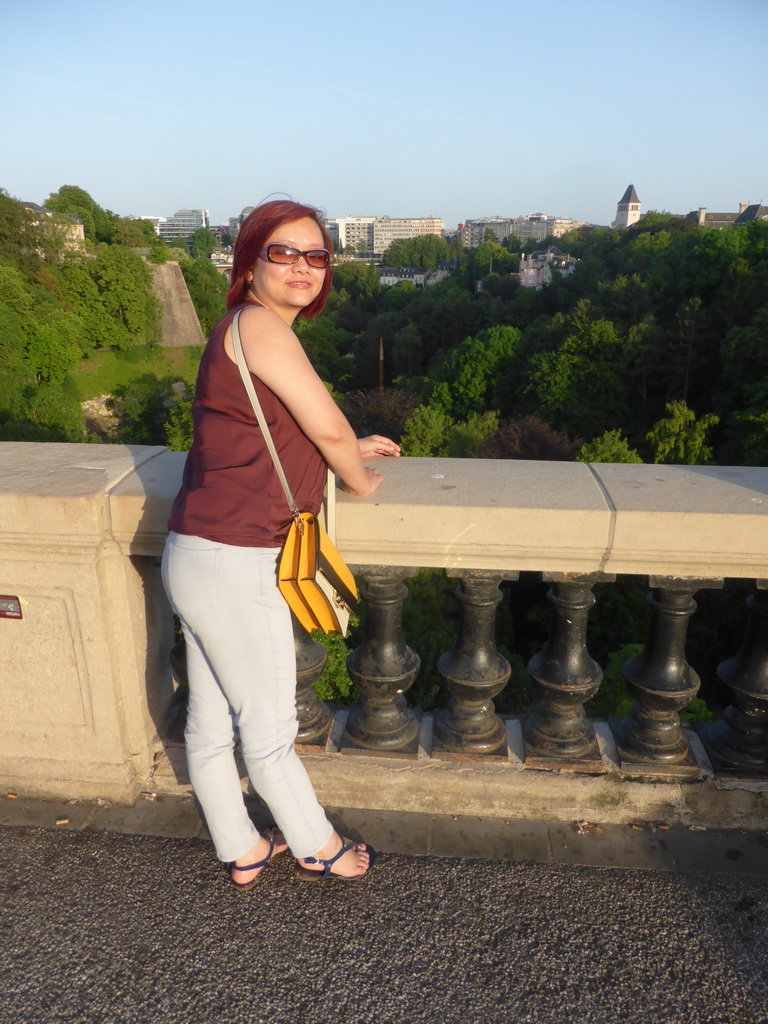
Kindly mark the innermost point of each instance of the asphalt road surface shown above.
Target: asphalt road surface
(99, 928)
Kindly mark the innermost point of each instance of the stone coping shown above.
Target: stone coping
(504, 788)
(506, 515)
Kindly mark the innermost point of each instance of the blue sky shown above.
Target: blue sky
(399, 108)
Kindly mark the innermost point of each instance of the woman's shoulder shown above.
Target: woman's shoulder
(251, 318)
(254, 315)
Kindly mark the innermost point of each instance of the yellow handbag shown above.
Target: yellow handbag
(311, 575)
(314, 578)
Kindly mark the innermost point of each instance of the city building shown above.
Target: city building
(155, 222)
(755, 211)
(536, 269)
(746, 212)
(627, 209)
(536, 225)
(372, 236)
(69, 228)
(184, 223)
(420, 277)
(181, 225)
(713, 220)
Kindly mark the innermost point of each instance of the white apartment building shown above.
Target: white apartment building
(536, 270)
(183, 223)
(536, 225)
(373, 235)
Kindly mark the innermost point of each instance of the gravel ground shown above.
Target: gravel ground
(115, 929)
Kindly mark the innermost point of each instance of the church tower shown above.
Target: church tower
(628, 209)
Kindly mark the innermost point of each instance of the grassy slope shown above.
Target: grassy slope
(105, 371)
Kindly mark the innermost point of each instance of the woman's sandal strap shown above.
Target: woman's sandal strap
(270, 837)
(346, 846)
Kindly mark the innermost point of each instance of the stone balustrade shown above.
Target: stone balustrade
(85, 683)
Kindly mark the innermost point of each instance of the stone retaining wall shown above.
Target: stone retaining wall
(84, 677)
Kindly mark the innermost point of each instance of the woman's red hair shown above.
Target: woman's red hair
(253, 235)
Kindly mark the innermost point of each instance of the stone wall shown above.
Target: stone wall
(180, 324)
(84, 678)
(84, 675)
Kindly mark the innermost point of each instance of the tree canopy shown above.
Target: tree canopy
(57, 306)
(421, 251)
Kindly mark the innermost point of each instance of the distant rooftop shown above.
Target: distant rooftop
(630, 196)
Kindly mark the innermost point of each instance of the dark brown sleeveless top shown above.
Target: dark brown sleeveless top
(230, 492)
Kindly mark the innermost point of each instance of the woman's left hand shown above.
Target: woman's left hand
(377, 445)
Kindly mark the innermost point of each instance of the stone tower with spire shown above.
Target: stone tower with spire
(627, 209)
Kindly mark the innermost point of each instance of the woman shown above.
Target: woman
(228, 524)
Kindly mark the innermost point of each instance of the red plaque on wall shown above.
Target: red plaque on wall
(10, 607)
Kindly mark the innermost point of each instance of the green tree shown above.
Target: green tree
(429, 625)
(610, 446)
(471, 370)
(15, 292)
(38, 346)
(397, 296)
(406, 352)
(207, 289)
(422, 251)
(21, 240)
(203, 243)
(749, 426)
(159, 252)
(425, 432)
(80, 294)
(125, 286)
(742, 360)
(322, 342)
(51, 413)
(16, 376)
(53, 348)
(75, 202)
(512, 243)
(464, 439)
(356, 280)
(490, 256)
(99, 224)
(582, 384)
(179, 251)
(179, 427)
(133, 232)
(681, 438)
(142, 408)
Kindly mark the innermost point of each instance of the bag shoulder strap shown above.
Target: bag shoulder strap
(251, 391)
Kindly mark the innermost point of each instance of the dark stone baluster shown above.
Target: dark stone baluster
(382, 668)
(175, 720)
(739, 740)
(662, 682)
(314, 716)
(474, 673)
(558, 731)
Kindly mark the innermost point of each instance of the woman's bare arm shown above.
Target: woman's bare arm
(274, 354)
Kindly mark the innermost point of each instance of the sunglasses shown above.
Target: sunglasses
(286, 254)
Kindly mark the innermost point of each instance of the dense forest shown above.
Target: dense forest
(653, 350)
(63, 310)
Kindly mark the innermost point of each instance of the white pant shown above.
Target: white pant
(241, 665)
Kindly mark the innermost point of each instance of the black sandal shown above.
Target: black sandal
(270, 835)
(326, 874)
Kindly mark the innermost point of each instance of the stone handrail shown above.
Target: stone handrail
(84, 679)
(507, 515)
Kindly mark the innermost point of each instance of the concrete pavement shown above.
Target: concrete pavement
(122, 915)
